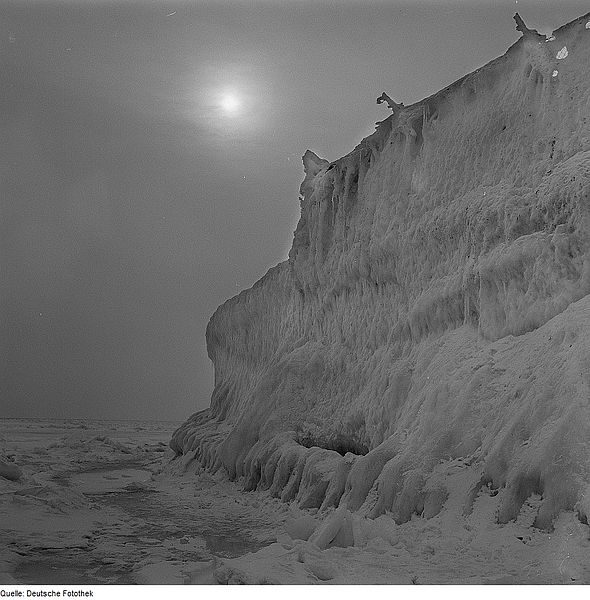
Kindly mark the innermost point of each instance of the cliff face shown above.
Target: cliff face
(430, 331)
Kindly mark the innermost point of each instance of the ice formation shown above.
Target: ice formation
(9, 470)
(394, 106)
(431, 326)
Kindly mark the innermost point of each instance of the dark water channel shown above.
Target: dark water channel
(45, 570)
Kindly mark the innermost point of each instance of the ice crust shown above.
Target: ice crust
(433, 316)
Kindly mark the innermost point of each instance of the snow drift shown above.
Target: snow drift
(433, 316)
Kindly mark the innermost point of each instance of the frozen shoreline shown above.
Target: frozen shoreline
(96, 493)
(127, 513)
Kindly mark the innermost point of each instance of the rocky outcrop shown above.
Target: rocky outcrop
(433, 317)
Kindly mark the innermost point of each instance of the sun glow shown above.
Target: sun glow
(230, 103)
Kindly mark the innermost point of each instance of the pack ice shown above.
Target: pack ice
(433, 316)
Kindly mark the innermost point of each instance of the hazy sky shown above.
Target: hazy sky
(150, 166)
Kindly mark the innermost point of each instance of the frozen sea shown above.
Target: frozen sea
(103, 502)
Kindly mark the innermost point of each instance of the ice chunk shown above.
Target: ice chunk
(329, 529)
(583, 506)
(9, 470)
(345, 536)
(562, 53)
(301, 528)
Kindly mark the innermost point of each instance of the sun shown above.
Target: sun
(230, 103)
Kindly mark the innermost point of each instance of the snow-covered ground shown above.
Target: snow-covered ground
(105, 502)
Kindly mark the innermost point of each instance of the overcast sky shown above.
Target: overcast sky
(150, 166)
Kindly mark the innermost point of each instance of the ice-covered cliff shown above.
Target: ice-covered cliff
(430, 332)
